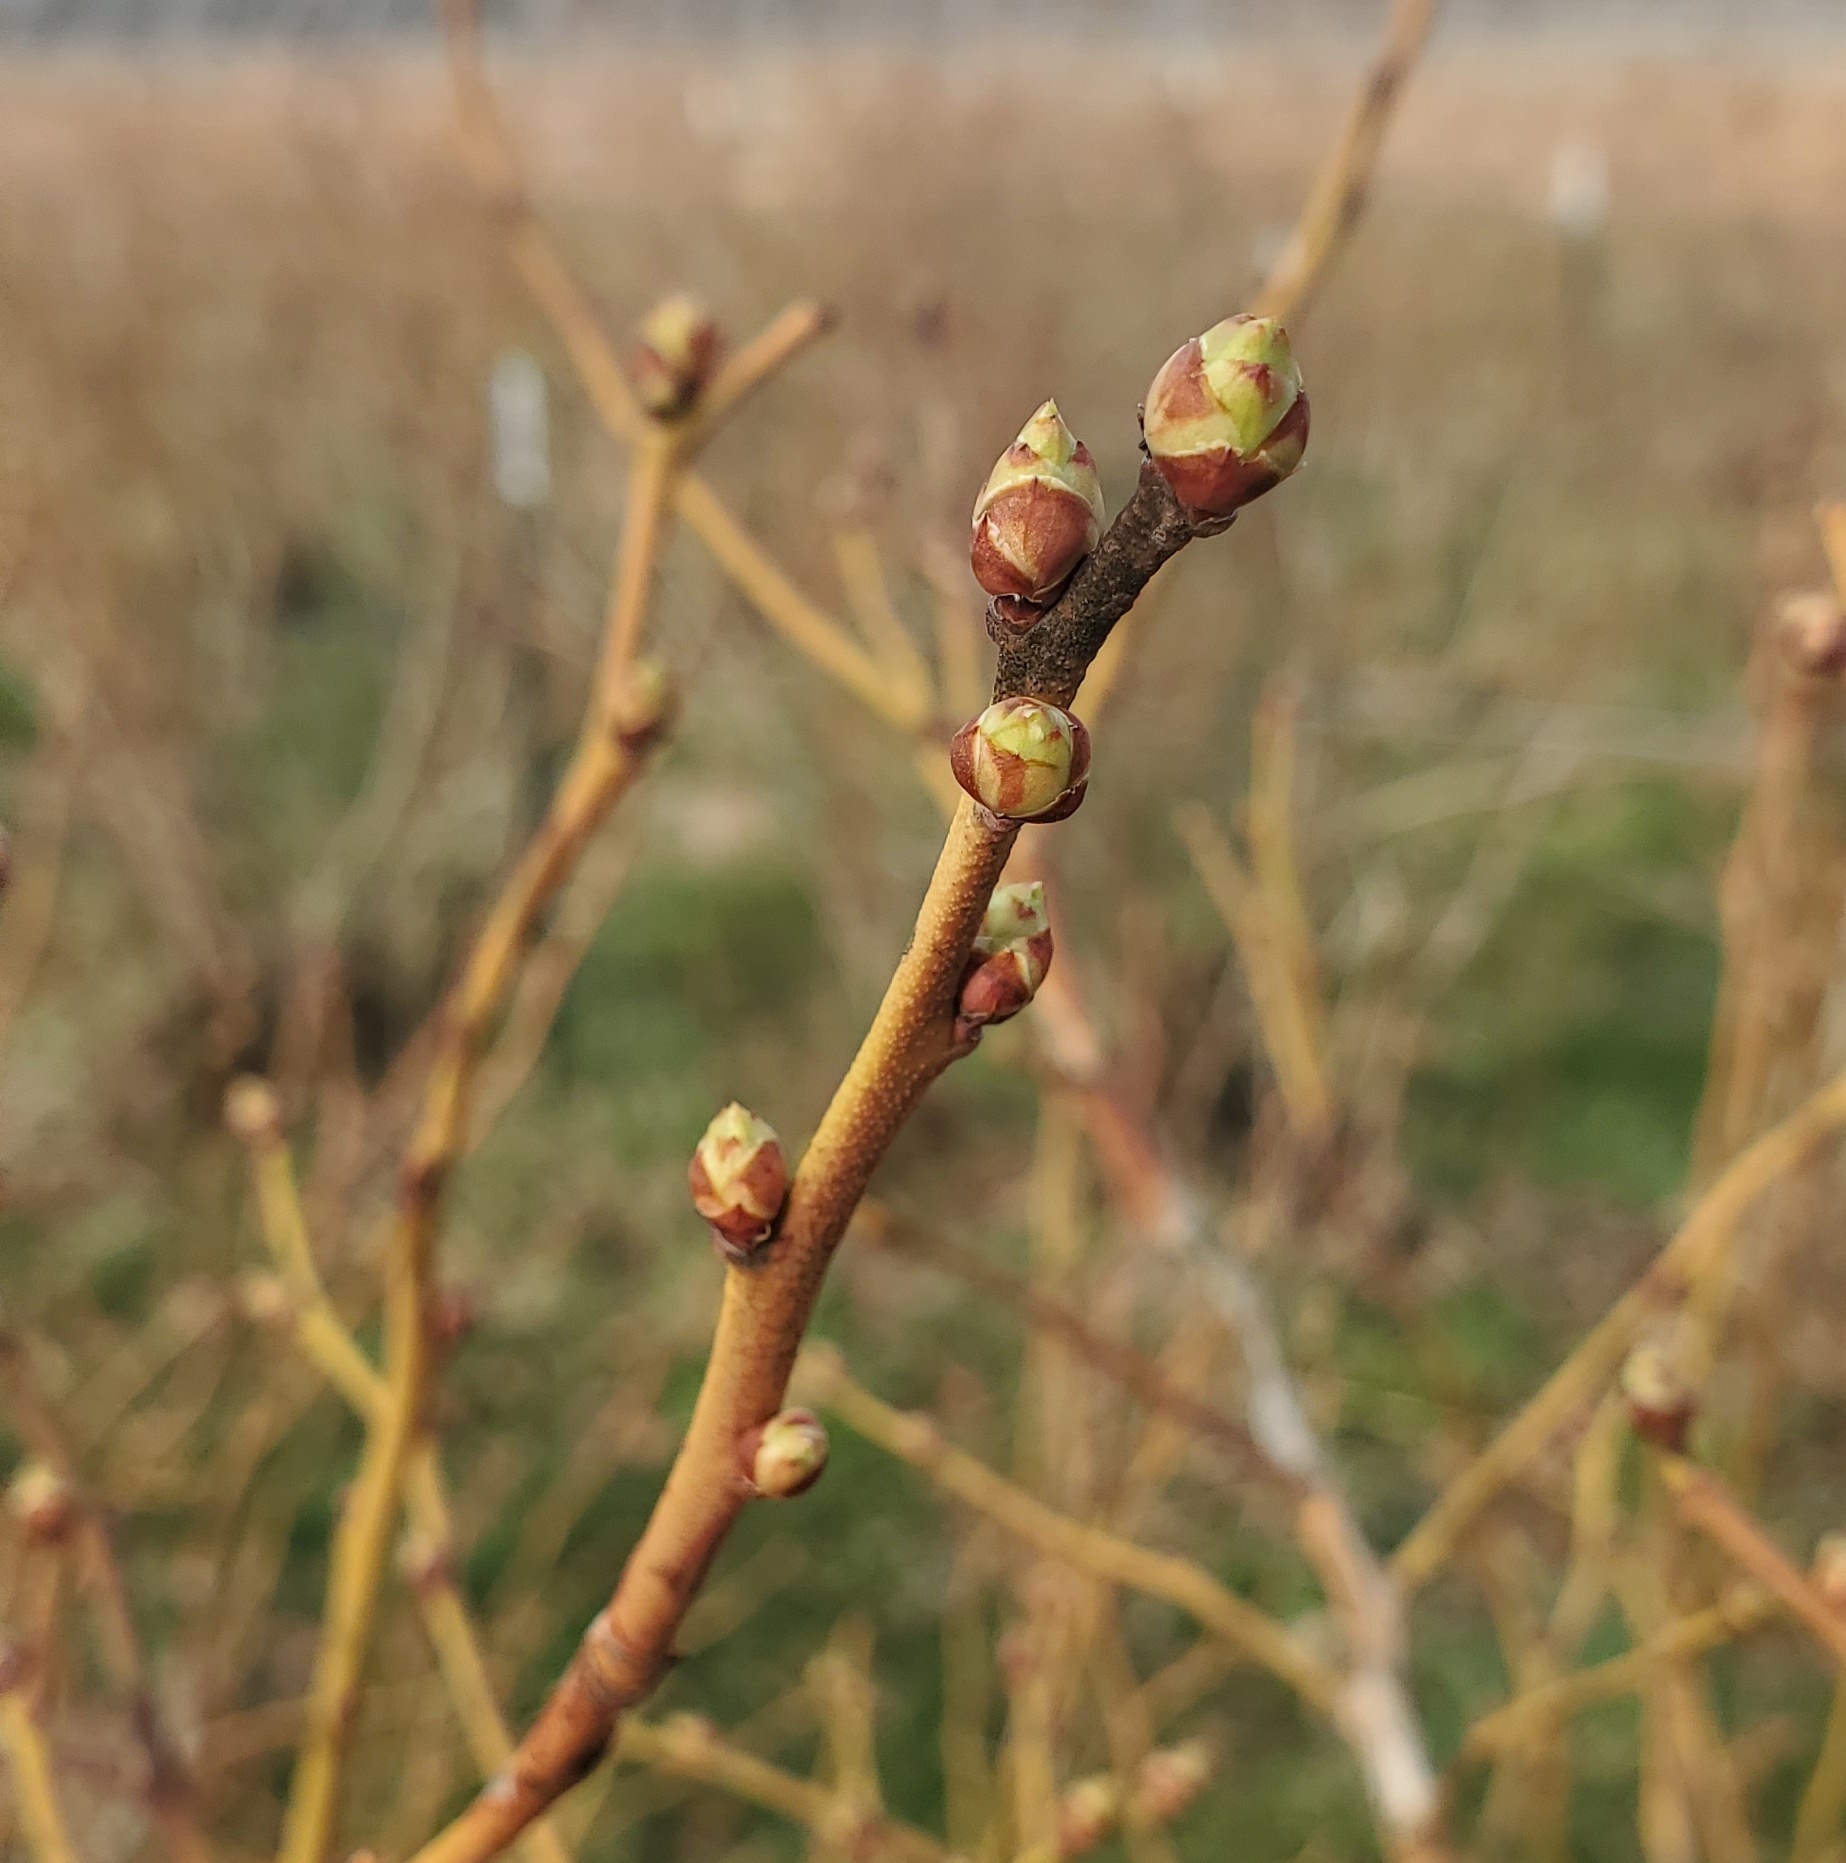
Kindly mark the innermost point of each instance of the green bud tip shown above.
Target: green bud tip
(1023, 759)
(1039, 514)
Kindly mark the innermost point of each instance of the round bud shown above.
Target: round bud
(1226, 417)
(1169, 1780)
(1023, 759)
(1660, 1401)
(1811, 630)
(1039, 514)
(1011, 955)
(252, 1114)
(262, 1297)
(1089, 1810)
(739, 1178)
(1829, 1569)
(786, 1456)
(642, 705)
(40, 1499)
(678, 349)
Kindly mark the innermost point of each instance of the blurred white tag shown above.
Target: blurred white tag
(1579, 188)
(519, 418)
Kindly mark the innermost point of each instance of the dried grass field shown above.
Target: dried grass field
(284, 687)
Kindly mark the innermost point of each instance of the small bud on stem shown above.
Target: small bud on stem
(1023, 759)
(1660, 1401)
(739, 1179)
(1226, 418)
(252, 1114)
(1088, 1812)
(40, 1499)
(1038, 516)
(1169, 1780)
(1811, 630)
(642, 705)
(1011, 955)
(678, 350)
(785, 1456)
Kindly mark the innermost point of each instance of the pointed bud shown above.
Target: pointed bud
(1011, 955)
(252, 1114)
(1660, 1401)
(1169, 1780)
(1040, 513)
(40, 1499)
(642, 705)
(677, 352)
(1811, 629)
(1087, 1813)
(1226, 417)
(785, 1456)
(1828, 1570)
(739, 1178)
(1023, 759)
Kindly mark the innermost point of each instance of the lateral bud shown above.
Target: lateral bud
(1011, 955)
(1169, 1781)
(252, 1113)
(1088, 1812)
(1811, 632)
(1226, 417)
(1038, 516)
(1023, 759)
(785, 1456)
(739, 1180)
(40, 1499)
(642, 706)
(677, 350)
(1660, 1400)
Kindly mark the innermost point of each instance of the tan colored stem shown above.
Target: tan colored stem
(1576, 1383)
(35, 1793)
(1704, 1503)
(1337, 196)
(916, 1440)
(764, 1313)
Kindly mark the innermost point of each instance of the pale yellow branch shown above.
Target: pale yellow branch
(35, 1793)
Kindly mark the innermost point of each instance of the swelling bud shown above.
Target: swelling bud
(1023, 759)
(677, 351)
(1226, 417)
(1011, 954)
(1039, 514)
(1660, 1401)
(739, 1178)
(787, 1455)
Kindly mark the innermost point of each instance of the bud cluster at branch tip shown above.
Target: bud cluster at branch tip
(252, 1114)
(1226, 418)
(1023, 759)
(1660, 1400)
(1038, 516)
(677, 351)
(642, 705)
(785, 1456)
(1011, 954)
(739, 1179)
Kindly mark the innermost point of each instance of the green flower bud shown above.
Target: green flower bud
(1226, 417)
(739, 1178)
(787, 1455)
(678, 350)
(1011, 955)
(1023, 759)
(1039, 514)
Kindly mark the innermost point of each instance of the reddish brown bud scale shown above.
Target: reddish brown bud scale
(642, 705)
(677, 352)
(1225, 417)
(1023, 759)
(1660, 1401)
(1039, 514)
(1011, 955)
(40, 1499)
(739, 1179)
(1088, 1812)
